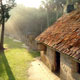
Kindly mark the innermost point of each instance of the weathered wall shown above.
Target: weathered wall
(48, 57)
(29, 40)
(68, 68)
(51, 55)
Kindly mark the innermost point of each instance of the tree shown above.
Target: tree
(5, 7)
(56, 8)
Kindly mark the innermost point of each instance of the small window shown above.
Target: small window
(78, 67)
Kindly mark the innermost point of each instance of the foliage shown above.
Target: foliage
(32, 21)
(56, 7)
(6, 6)
(54, 10)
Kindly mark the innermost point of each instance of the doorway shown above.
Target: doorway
(57, 62)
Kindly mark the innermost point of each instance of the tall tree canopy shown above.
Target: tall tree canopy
(5, 7)
(56, 8)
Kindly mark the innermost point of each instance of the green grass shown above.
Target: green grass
(15, 61)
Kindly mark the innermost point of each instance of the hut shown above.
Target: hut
(59, 46)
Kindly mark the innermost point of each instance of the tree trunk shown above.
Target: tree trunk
(2, 32)
(2, 35)
(47, 18)
(56, 12)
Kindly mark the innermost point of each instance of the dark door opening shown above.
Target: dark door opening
(57, 62)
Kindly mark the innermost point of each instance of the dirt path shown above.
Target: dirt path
(38, 71)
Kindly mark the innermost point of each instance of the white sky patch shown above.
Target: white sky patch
(30, 3)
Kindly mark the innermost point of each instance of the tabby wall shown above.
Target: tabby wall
(48, 57)
(68, 69)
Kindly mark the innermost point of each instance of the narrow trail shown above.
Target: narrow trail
(38, 71)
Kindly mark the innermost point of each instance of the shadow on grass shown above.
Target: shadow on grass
(1, 66)
(7, 67)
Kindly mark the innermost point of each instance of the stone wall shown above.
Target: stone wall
(51, 55)
(68, 68)
(49, 58)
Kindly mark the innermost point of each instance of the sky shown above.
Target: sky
(29, 3)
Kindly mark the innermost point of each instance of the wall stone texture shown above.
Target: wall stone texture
(68, 68)
(48, 57)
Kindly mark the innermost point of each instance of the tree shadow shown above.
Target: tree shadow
(7, 67)
(1, 66)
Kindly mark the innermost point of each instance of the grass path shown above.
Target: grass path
(14, 61)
